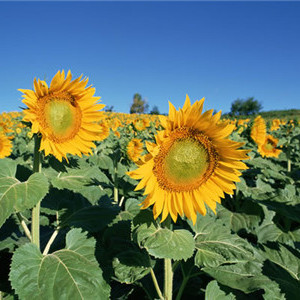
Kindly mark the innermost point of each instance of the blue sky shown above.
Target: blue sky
(163, 50)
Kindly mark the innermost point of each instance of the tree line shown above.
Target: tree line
(239, 107)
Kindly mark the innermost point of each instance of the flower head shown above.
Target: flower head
(135, 149)
(65, 114)
(258, 130)
(5, 145)
(269, 147)
(191, 164)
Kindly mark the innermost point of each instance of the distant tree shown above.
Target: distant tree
(139, 106)
(109, 108)
(154, 110)
(247, 107)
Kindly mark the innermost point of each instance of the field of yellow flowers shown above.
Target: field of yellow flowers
(103, 205)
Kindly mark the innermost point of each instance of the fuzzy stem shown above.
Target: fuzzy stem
(24, 226)
(51, 240)
(288, 156)
(116, 196)
(168, 288)
(35, 219)
(168, 284)
(182, 287)
(159, 293)
(53, 236)
(289, 165)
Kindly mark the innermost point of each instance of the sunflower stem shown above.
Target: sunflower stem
(182, 287)
(168, 287)
(159, 293)
(53, 236)
(116, 196)
(24, 226)
(168, 284)
(35, 219)
(289, 162)
(289, 165)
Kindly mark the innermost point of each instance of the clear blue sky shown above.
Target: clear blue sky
(218, 50)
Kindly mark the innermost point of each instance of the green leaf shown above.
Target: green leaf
(162, 242)
(24, 271)
(263, 186)
(239, 221)
(281, 205)
(71, 273)
(279, 275)
(132, 208)
(285, 258)
(89, 181)
(262, 163)
(120, 256)
(215, 244)
(130, 266)
(16, 195)
(243, 276)
(269, 232)
(92, 218)
(214, 292)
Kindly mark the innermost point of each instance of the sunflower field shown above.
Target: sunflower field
(103, 205)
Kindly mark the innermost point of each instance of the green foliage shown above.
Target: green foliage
(139, 106)
(15, 195)
(215, 244)
(61, 274)
(247, 107)
(214, 292)
(162, 242)
(248, 250)
(154, 110)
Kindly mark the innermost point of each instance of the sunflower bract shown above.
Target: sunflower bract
(191, 164)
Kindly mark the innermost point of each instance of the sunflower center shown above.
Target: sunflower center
(186, 160)
(60, 116)
(269, 146)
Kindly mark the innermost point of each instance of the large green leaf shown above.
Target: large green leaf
(284, 256)
(269, 232)
(247, 220)
(16, 195)
(214, 292)
(282, 278)
(91, 218)
(120, 256)
(131, 265)
(243, 276)
(71, 273)
(215, 244)
(132, 208)
(162, 242)
(89, 181)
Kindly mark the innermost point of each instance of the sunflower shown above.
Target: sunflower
(275, 124)
(140, 124)
(104, 131)
(65, 114)
(268, 148)
(135, 149)
(191, 164)
(5, 146)
(258, 130)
